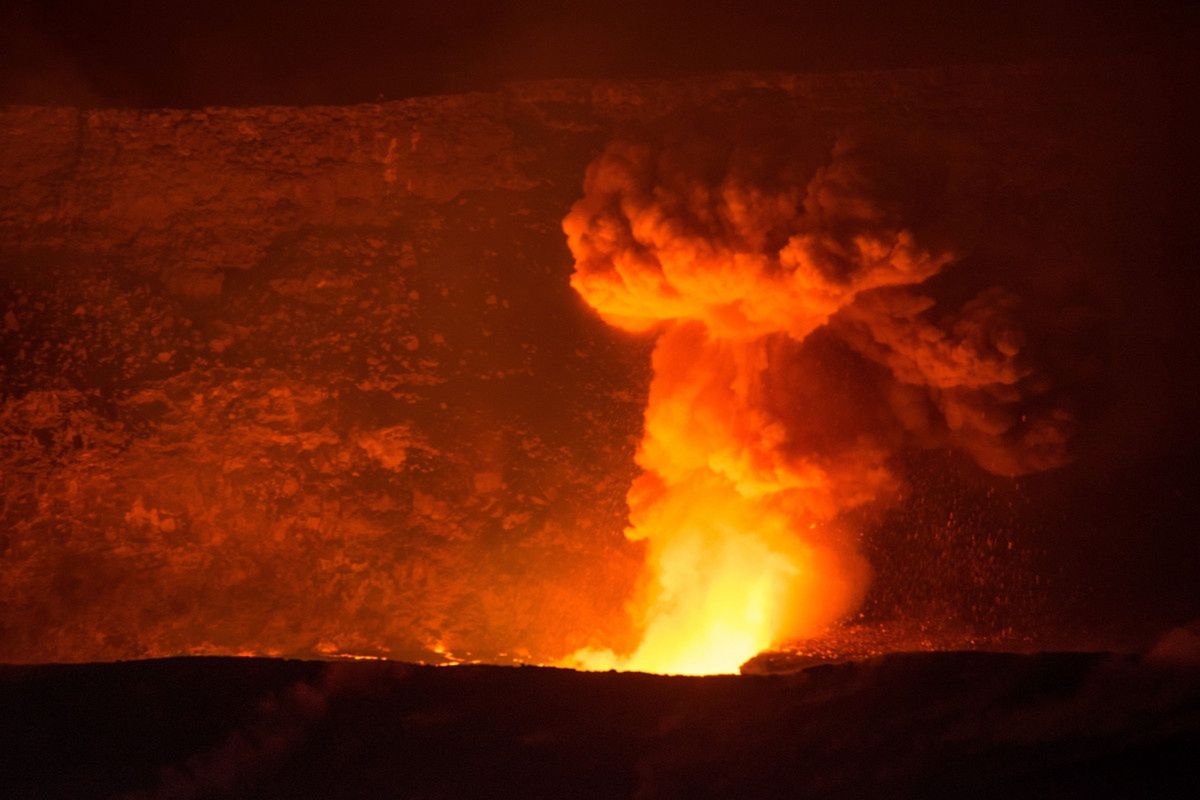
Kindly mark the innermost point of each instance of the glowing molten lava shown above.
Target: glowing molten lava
(730, 256)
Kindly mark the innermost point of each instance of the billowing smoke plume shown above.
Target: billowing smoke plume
(794, 354)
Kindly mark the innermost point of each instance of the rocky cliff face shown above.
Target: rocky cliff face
(312, 380)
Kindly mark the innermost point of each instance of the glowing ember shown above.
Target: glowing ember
(735, 256)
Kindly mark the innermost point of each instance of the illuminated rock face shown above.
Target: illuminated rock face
(301, 381)
(314, 381)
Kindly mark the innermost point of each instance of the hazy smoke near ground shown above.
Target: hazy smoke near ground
(744, 252)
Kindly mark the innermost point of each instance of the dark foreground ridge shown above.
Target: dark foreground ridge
(929, 725)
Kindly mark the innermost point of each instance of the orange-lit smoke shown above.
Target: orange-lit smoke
(733, 255)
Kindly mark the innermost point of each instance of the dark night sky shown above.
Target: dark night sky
(212, 52)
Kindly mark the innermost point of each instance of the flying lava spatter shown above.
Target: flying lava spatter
(732, 255)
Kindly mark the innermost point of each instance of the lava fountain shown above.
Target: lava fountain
(733, 254)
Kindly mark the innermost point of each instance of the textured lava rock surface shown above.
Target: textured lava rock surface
(306, 381)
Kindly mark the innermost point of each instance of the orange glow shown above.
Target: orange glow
(736, 553)
(743, 547)
(730, 577)
(290, 409)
